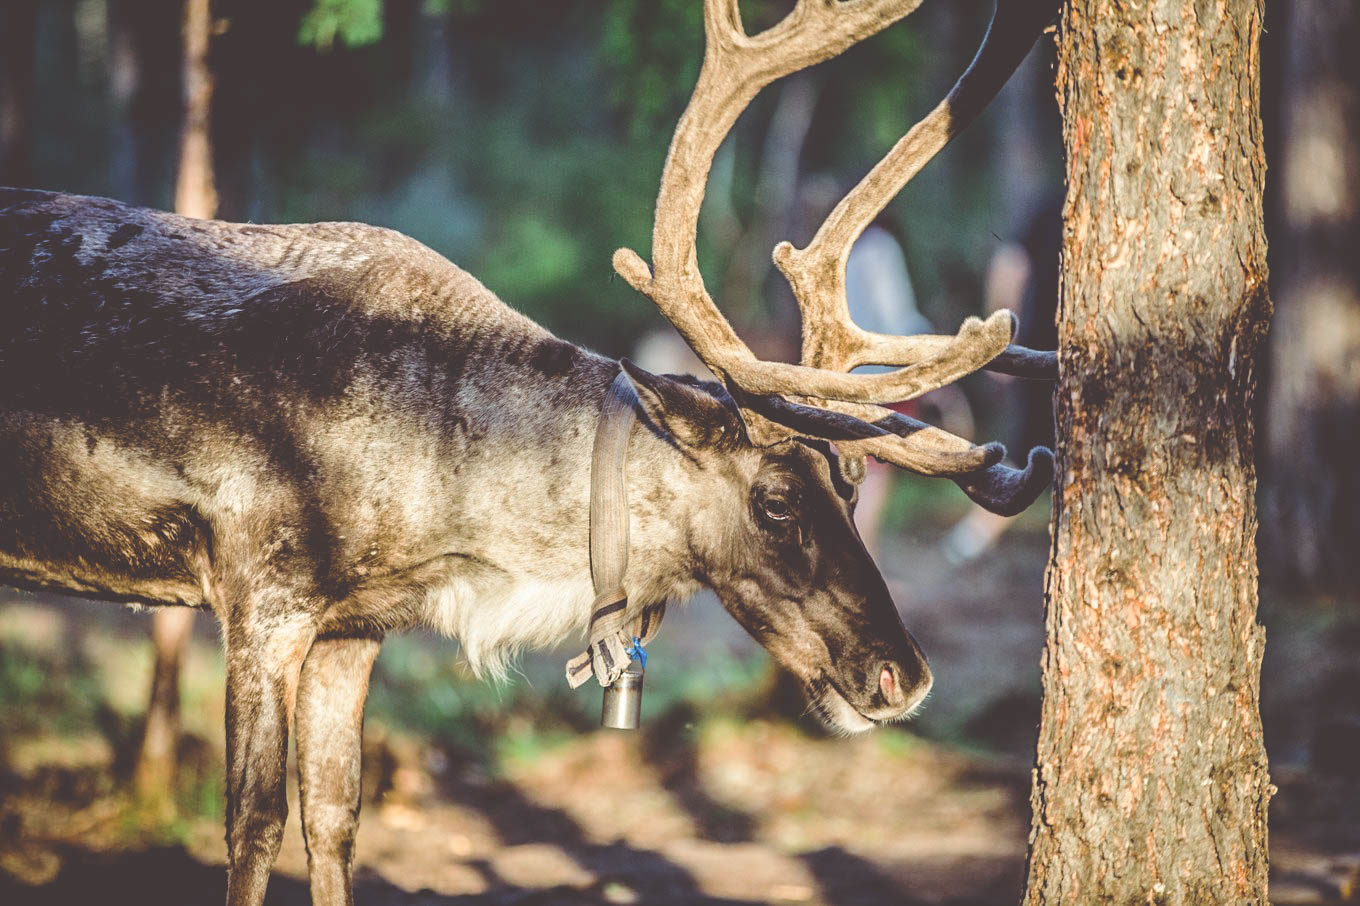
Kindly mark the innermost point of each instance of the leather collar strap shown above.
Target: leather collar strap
(611, 630)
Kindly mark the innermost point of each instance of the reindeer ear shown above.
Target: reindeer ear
(686, 412)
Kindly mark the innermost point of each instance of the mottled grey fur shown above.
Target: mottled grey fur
(326, 432)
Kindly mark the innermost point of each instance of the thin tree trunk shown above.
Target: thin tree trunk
(196, 191)
(1313, 414)
(195, 196)
(125, 88)
(18, 20)
(1151, 783)
(154, 776)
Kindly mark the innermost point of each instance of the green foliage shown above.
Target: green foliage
(721, 680)
(354, 22)
(916, 499)
(454, 8)
(421, 688)
(426, 691)
(884, 92)
(652, 50)
(43, 694)
(523, 741)
(534, 255)
(524, 140)
(898, 740)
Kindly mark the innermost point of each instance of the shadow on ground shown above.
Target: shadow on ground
(710, 804)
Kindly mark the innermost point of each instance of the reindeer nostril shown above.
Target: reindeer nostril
(887, 684)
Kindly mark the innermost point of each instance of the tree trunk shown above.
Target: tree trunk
(196, 190)
(1313, 414)
(125, 90)
(18, 21)
(195, 196)
(1151, 782)
(154, 775)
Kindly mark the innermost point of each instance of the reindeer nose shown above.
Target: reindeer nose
(890, 686)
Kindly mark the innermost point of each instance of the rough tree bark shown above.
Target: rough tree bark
(1313, 403)
(1151, 783)
(195, 196)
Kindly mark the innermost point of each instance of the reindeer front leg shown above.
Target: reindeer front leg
(330, 725)
(267, 640)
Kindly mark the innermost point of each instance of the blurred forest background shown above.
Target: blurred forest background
(524, 140)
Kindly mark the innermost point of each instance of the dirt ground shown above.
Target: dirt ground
(748, 806)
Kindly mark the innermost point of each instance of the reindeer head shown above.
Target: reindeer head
(770, 530)
(798, 577)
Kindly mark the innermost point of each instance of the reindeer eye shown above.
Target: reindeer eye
(777, 509)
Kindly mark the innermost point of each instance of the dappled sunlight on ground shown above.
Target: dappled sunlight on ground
(512, 795)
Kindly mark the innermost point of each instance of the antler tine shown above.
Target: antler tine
(735, 68)
(922, 448)
(1017, 361)
(816, 273)
(832, 341)
(933, 452)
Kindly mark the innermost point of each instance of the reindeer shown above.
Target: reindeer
(325, 433)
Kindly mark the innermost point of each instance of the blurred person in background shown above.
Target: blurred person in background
(881, 299)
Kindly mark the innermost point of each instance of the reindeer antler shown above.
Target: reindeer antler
(818, 397)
